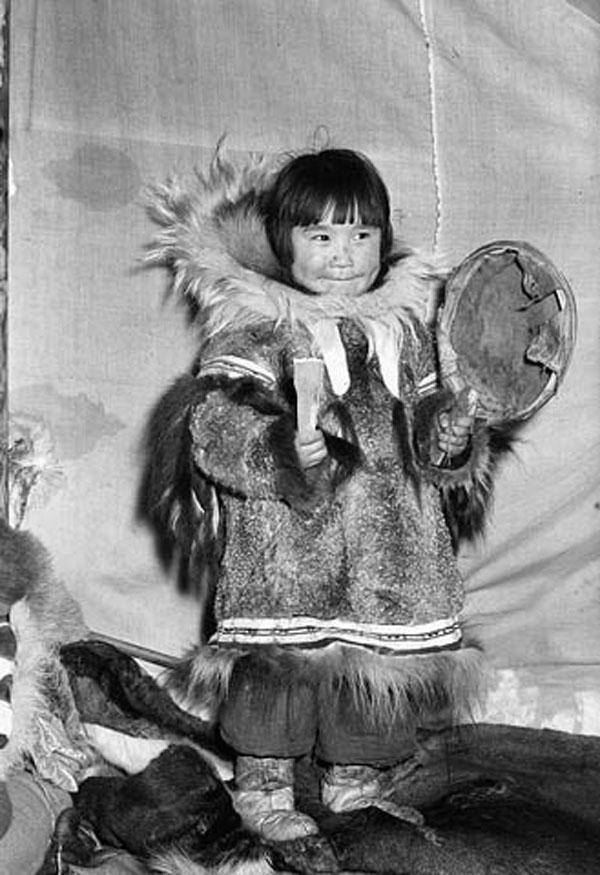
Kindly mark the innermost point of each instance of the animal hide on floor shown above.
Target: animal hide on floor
(495, 799)
(521, 799)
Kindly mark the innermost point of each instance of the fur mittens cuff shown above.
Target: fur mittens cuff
(446, 470)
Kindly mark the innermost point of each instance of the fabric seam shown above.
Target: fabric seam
(435, 162)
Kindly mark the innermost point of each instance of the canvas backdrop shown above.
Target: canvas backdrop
(483, 120)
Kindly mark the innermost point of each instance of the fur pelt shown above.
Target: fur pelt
(43, 615)
(26, 570)
(110, 689)
(493, 798)
(174, 810)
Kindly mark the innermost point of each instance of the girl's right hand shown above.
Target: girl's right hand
(311, 450)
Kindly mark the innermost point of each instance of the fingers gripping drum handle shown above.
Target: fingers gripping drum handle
(466, 406)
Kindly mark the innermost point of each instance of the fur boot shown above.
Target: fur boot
(264, 798)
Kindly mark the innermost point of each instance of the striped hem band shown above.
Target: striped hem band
(306, 631)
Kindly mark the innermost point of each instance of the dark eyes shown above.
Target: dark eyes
(321, 237)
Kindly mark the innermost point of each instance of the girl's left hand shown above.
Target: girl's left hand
(453, 432)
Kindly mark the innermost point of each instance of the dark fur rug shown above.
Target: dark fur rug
(497, 800)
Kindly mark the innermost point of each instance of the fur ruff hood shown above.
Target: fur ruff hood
(213, 240)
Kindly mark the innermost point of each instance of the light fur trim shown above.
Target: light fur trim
(199, 683)
(415, 687)
(27, 698)
(44, 619)
(384, 686)
(214, 242)
(46, 603)
(56, 614)
(178, 863)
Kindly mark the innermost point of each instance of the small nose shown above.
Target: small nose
(341, 252)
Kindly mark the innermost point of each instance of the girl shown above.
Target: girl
(329, 556)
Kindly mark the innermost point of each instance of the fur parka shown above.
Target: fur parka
(353, 562)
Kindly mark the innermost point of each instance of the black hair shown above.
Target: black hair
(311, 184)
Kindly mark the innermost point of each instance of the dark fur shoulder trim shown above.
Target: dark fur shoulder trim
(180, 506)
(167, 464)
(467, 493)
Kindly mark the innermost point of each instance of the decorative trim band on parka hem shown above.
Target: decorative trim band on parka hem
(310, 631)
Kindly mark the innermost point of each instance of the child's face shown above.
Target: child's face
(330, 258)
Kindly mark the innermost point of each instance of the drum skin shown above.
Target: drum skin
(506, 330)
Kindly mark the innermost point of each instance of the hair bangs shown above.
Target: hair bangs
(341, 201)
